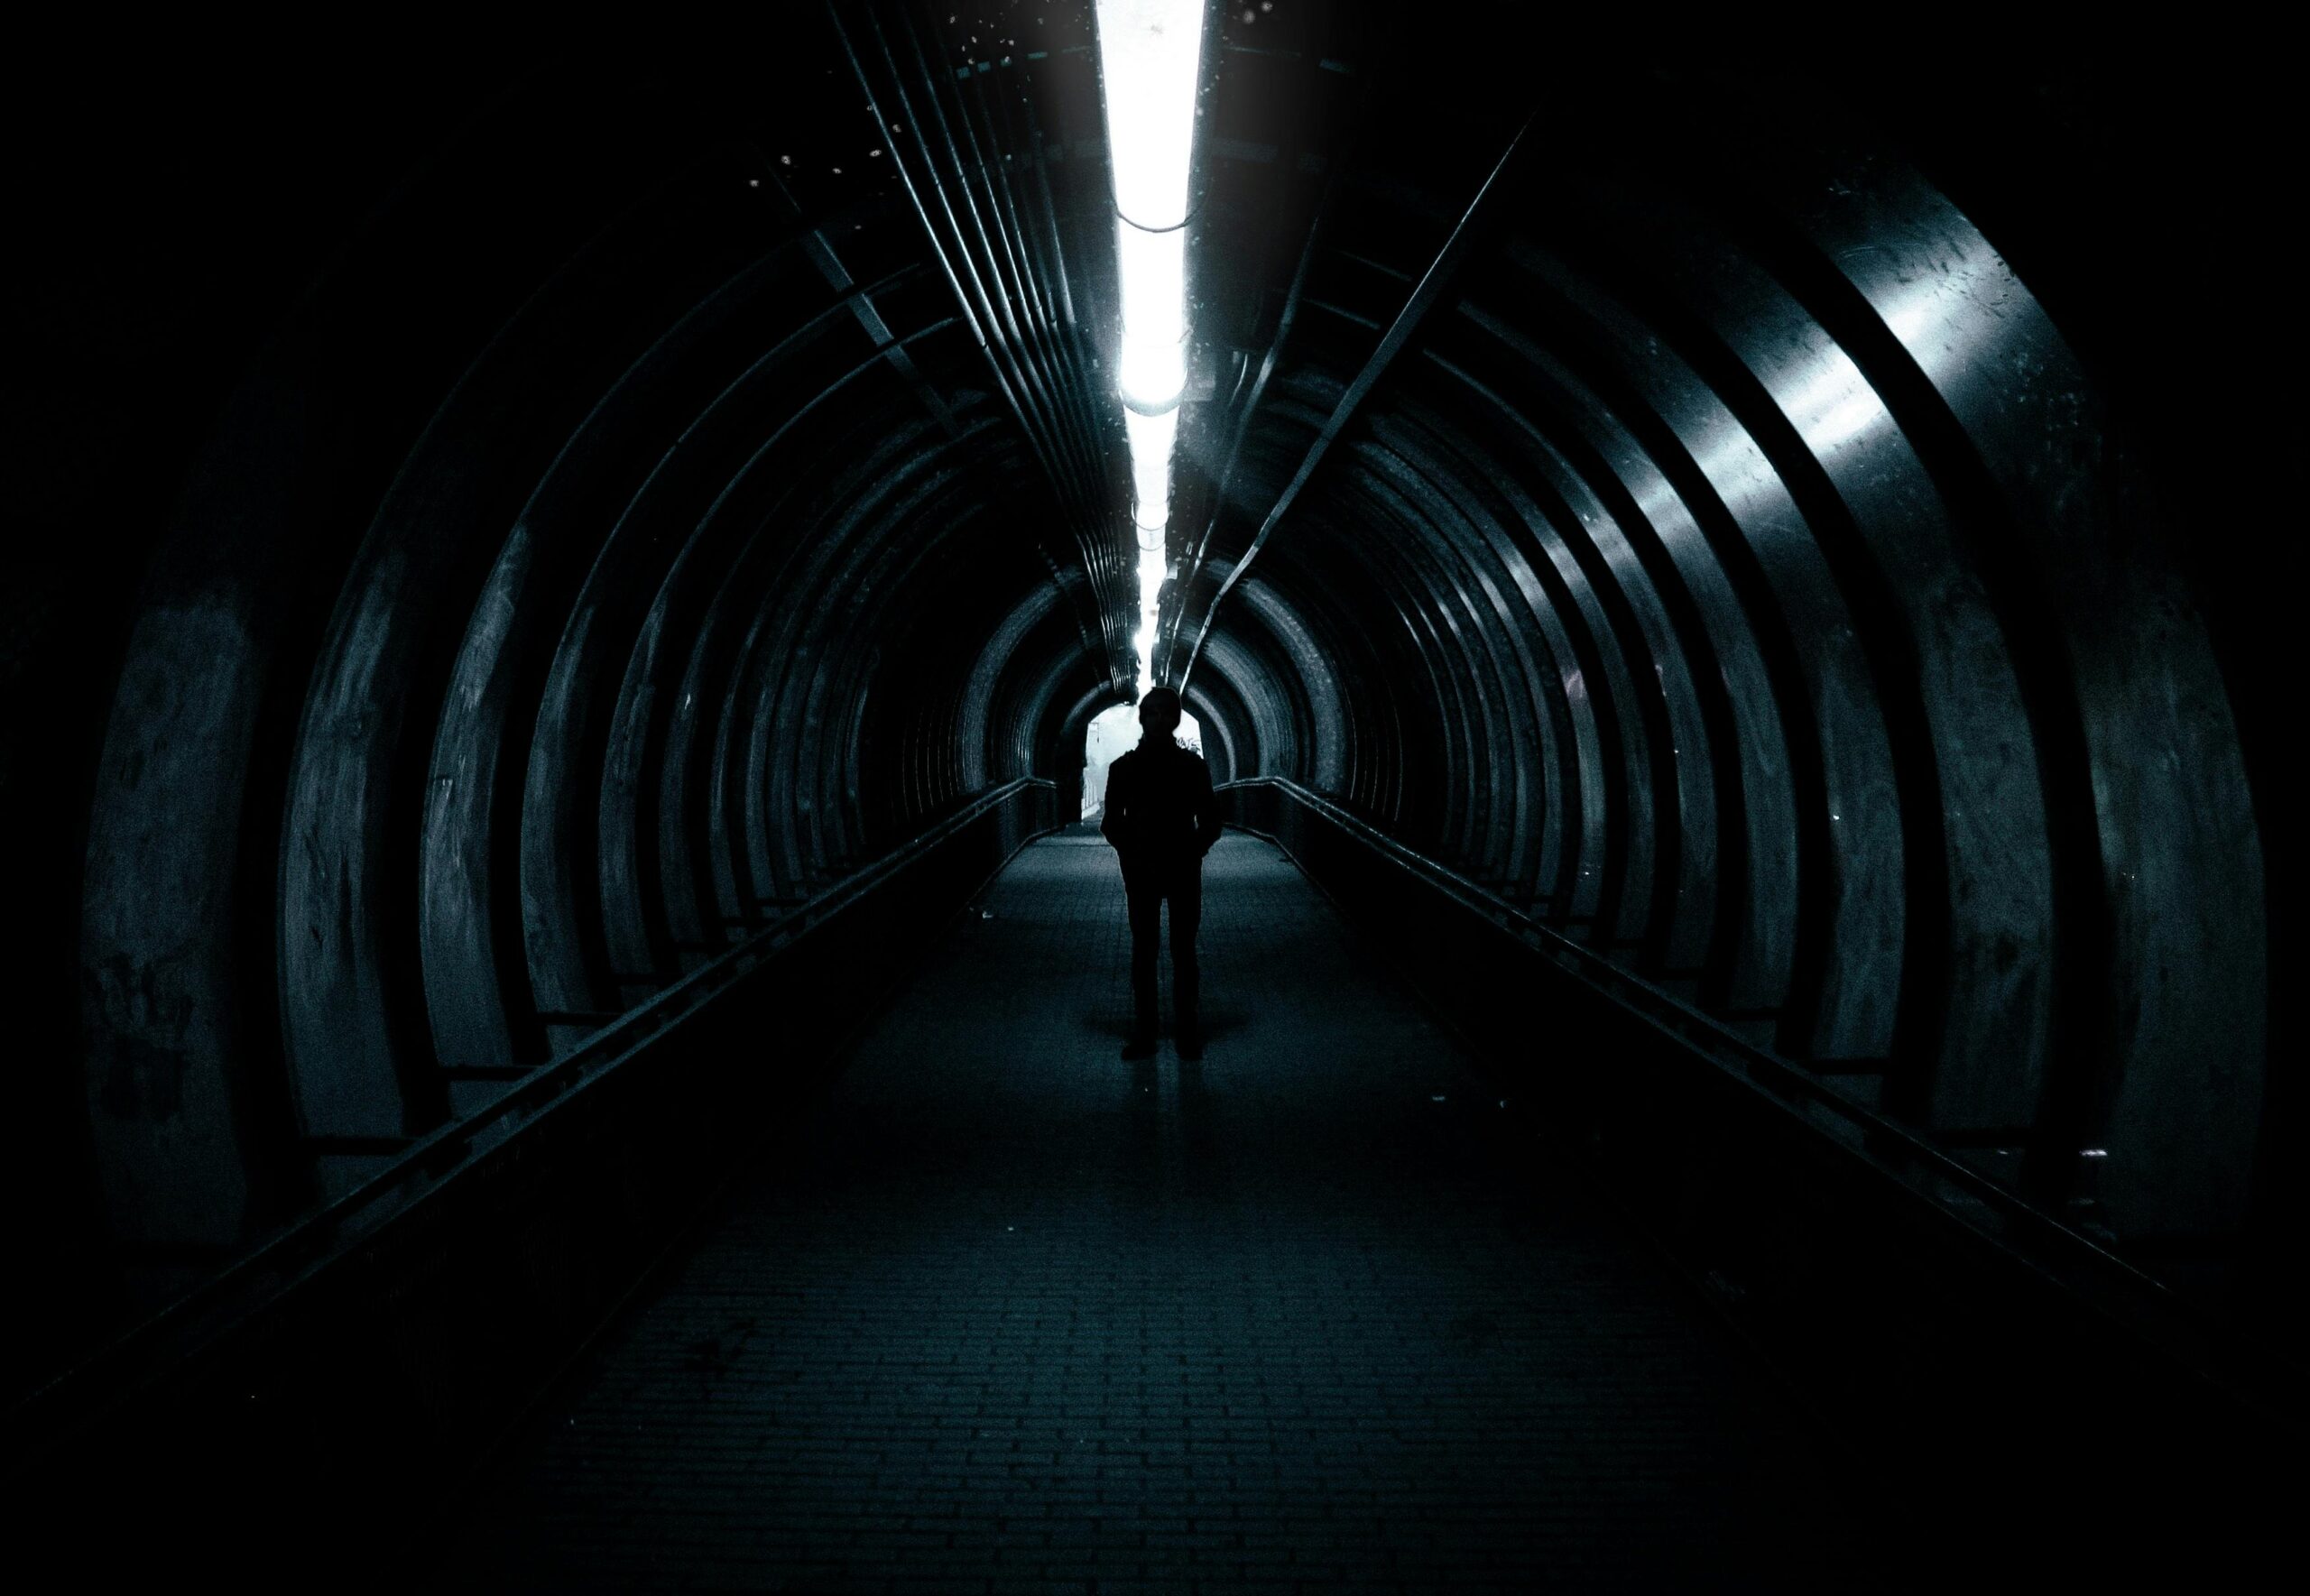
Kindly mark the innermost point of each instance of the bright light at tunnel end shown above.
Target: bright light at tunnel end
(1151, 57)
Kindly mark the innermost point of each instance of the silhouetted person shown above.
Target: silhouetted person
(1162, 819)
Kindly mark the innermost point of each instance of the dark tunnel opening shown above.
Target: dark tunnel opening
(499, 528)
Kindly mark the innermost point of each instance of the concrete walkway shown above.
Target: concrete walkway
(1008, 1314)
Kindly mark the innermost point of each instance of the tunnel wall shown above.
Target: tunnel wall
(620, 541)
(560, 513)
(1710, 542)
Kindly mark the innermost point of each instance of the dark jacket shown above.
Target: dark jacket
(1160, 809)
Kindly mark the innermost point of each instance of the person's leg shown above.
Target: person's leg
(1143, 903)
(1187, 915)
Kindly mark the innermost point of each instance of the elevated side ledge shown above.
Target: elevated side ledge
(1726, 1150)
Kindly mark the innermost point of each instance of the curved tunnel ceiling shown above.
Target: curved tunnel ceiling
(1710, 541)
(1728, 563)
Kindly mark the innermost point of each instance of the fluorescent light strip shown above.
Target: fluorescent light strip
(1151, 52)
(1153, 270)
(1150, 56)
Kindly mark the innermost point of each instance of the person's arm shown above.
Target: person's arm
(1111, 811)
(1206, 808)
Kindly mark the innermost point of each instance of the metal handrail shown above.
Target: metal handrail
(2058, 1251)
(271, 1267)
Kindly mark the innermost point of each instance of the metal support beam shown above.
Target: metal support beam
(1192, 564)
(1432, 285)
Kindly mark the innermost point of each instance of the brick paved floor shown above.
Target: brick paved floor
(1009, 1314)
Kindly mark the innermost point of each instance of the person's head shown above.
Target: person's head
(1158, 715)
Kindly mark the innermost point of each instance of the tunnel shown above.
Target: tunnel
(1730, 598)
